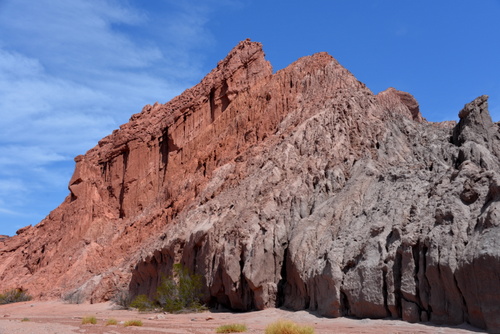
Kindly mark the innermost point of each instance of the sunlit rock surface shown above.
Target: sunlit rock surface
(299, 188)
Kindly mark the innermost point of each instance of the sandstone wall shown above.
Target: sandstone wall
(299, 189)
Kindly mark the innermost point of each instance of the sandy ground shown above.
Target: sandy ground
(55, 317)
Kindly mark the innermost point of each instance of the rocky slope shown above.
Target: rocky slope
(300, 189)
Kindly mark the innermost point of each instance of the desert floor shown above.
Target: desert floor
(55, 317)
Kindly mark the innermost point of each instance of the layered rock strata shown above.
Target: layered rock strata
(300, 189)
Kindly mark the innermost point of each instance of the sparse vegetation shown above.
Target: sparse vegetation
(111, 322)
(288, 327)
(182, 291)
(14, 296)
(142, 303)
(75, 297)
(89, 320)
(25, 319)
(231, 328)
(122, 299)
(132, 323)
(178, 292)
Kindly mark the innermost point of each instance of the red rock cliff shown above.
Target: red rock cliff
(299, 189)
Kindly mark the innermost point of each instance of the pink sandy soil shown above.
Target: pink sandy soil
(55, 317)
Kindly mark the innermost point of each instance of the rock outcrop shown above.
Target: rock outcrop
(300, 189)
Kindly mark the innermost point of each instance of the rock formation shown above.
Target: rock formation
(300, 189)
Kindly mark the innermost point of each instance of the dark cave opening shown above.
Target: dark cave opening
(280, 298)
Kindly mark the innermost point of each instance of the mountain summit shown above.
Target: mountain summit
(300, 189)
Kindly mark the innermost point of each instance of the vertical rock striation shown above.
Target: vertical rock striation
(300, 189)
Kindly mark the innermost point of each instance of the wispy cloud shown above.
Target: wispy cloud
(9, 212)
(10, 186)
(72, 71)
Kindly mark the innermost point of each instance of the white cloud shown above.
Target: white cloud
(14, 154)
(14, 65)
(72, 71)
(9, 212)
(71, 33)
(11, 185)
(12, 192)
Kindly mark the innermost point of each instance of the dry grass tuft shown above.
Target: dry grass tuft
(132, 323)
(231, 328)
(89, 320)
(288, 327)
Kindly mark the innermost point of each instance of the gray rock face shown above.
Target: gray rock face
(372, 215)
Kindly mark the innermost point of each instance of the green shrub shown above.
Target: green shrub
(142, 303)
(25, 319)
(231, 328)
(132, 323)
(89, 320)
(14, 296)
(111, 322)
(181, 291)
(178, 292)
(288, 327)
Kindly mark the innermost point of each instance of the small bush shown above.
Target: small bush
(142, 303)
(111, 322)
(181, 291)
(25, 319)
(288, 327)
(132, 323)
(176, 293)
(14, 296)
(231, 328)
(89, 320)
(75, 297)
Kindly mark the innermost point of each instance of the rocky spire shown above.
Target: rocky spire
(476, 135)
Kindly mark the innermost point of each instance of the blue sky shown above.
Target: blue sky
(72, 71)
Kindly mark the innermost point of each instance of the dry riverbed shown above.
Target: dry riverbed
(55, 317)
